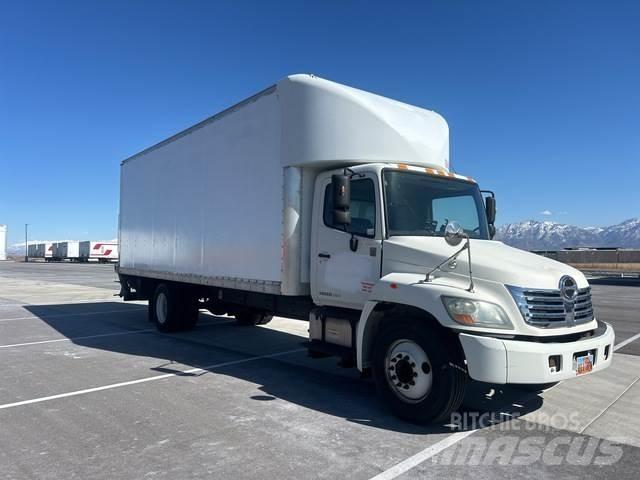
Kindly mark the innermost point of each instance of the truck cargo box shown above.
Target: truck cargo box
(228, 201)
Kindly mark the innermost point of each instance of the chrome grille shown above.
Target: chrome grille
(547, 308)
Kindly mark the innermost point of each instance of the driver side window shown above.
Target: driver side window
(363, 208)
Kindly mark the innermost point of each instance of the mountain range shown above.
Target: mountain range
(535, 235)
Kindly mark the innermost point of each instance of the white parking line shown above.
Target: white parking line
(626, 342)
(420, 457)
(72, 339)
(61, 315)
(78, 302)
(604, 410)
(113, 334)
(65, 292)
(148, 379)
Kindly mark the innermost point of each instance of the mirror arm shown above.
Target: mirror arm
(470, 289)
(467, 247)
(428, 279)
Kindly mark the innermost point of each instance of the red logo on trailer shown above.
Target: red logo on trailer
(99, 246)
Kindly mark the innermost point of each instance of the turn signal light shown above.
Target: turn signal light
(463, 318)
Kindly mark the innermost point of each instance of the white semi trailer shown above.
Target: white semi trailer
(318, 201)
(67, 251)
(102, 252)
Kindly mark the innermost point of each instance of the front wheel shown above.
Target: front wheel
(416, 375)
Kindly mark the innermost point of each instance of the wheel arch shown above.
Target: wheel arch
(376, 313)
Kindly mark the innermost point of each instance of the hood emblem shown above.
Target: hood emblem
(569, 292)
(568, 289)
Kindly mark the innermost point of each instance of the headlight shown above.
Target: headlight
(475, 313)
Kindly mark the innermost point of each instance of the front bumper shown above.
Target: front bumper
(500, 361)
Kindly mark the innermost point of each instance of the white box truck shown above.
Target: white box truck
(103, 252)
(318, 201)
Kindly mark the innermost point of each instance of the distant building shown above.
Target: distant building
(3, 242)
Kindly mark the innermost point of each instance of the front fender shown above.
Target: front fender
(411, 289)
(404, 289)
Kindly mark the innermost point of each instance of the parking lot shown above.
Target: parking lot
(89, 389)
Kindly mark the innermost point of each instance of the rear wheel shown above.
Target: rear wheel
(416, 375)
(172, 309)
(252, 317)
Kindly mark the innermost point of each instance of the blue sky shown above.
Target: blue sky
(542, 97)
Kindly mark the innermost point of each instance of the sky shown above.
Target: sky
(542, 97)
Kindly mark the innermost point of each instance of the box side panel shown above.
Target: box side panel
(208, 204)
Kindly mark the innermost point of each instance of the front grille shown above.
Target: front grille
(547, 308)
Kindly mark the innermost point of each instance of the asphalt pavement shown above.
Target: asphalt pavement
(89, 389)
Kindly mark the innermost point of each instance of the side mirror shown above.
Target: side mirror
(341, 190)
(454, 234)
(490, 206)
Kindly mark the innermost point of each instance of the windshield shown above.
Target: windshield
(421, 204)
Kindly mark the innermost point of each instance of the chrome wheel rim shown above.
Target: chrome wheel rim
(408, 370)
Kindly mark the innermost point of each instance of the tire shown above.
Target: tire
(417, 372)
(252, 317)
(172, 310)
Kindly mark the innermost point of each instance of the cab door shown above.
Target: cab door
(345, 261)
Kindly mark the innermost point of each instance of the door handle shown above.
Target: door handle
(324, 255)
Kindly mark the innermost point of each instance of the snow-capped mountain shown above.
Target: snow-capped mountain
(534, 235)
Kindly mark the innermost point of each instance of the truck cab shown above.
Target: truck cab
(411, 248)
